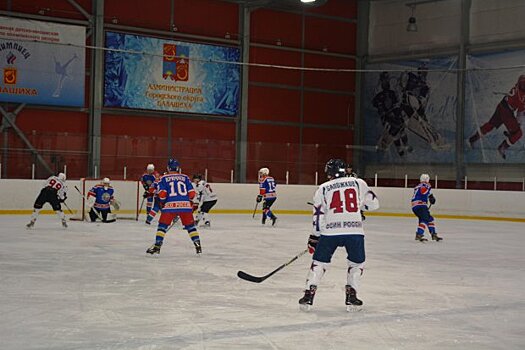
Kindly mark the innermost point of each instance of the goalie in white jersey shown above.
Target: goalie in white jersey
(337, 223)
(54, 193)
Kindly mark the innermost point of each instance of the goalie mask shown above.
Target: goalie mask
(106, 182)
(424, 178)
(150, 168)
(335, 168)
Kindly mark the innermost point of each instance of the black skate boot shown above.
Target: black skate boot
(264, 220)
(352, 303)
(198, 248)
(436, 238)
(31, 224)
(274, 219)
(154, 249)
(64, 223)
(421, 238)
(207, 224)
(305, 303)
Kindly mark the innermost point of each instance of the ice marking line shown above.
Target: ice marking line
(315, 325)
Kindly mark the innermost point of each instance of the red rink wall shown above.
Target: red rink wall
(310, 115)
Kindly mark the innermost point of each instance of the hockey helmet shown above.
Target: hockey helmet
(264, 172)
(106, 181)
(62, 176)
(150, 168)
(197, 177)
(173, 165)
(521, 83)
(335, 168)
(424, 178)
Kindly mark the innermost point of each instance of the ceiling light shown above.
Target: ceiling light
(307, 1)
(412, 25)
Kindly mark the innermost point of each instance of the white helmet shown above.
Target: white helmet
(150, 167)
(106, 181)
(424, 178)
(264, 171)
(62, 176)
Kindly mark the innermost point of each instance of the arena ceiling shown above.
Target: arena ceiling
(280, 4)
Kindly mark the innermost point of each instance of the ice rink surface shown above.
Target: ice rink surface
(92, 286)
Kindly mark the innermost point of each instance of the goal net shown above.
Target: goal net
(126, 192)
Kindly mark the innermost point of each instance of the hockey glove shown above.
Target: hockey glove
(259, 198)
(146, 194)
(195, 206)
(432, 199)
(312, 243)
(62, 200)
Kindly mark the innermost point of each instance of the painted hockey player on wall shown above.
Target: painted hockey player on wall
(495, 109)
(411, 111)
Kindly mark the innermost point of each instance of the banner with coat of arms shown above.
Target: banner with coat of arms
(158, 74)
(42, 62)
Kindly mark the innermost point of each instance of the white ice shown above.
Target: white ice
(91, 286)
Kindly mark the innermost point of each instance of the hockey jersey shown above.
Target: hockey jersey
(204, 192)
(56, 184)
(337, 206)
(103, 196)
(515, 99)
(148, 179)
(176, 192)
(267, 187)
(421, 194)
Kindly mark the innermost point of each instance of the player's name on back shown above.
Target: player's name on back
(341, 184)
(173, 177)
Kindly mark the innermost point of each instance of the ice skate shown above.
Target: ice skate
(352, 303)
(421, 238)
(154, 249)
(148, 222)
(306, 302)
(198, 248)
(436, 238)
(274, 219)
(64, 223)
(207, 224)
(264, 220)
(31, 224)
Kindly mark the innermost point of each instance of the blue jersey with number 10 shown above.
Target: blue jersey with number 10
(176, 192)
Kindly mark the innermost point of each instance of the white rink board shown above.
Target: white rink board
(93, 287)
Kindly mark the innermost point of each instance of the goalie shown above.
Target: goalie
(99, 199)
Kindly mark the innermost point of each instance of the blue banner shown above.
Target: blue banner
(42, 63)
(495, 108)
(410, 111)
(158, 74)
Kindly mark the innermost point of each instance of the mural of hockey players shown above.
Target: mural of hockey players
(507, 112)
(388, 108)
(421, 120)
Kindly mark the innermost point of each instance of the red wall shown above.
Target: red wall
(276, 110)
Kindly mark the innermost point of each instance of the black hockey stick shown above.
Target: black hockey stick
(247, 277)
(85, 199)
(309, 203)
(68, 208)
(255, 209)
(140, 210)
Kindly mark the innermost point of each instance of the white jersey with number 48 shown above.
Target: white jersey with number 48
(338, 204)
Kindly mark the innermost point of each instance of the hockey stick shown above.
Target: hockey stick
(68, 208)
(141, 205)
(247, 277)
(309, 203)
(255, 209)
(96, 212)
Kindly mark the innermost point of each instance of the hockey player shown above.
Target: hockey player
(175, 192)
(387, 104)
(54, 192)
(153, 190)
(506, 113)
(100, 197)
(337, 223)
(422, 196)
(267, 192)
(147, 180)
(205, 198)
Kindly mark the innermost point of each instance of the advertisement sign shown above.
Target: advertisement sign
(410, 111)
(41, 62)
(495, 108)
(158, 74)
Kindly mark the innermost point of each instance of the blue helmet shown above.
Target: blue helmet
(173, 165)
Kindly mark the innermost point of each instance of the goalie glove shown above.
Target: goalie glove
(90, 202)
(312, 243)
(432, 199)
(259, 198)
(116, 204)
(146, 194)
